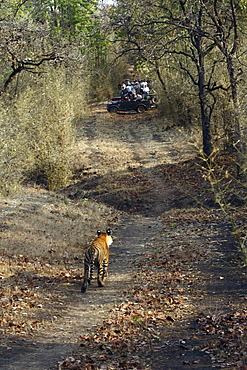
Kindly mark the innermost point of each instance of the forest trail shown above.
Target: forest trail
(87, 310)
(122, 159)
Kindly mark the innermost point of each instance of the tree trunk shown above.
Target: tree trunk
(205, 118)
(206, 135)
(236, 134)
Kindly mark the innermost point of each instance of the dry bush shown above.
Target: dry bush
(104, 82)
(228, 188)
(179, 100)
(52, 128)
(48, 113)
(221, 171)
(14, 149)
(230, 194)
(37, 129)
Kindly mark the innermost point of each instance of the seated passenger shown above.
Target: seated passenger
(138, 97)
(145, 92)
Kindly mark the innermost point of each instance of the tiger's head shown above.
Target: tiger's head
(106, 236)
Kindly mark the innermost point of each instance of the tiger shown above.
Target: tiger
(97, 255)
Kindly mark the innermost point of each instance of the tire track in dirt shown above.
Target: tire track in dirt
(143, 145)
(159, 196)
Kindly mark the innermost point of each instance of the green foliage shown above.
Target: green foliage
(63, 17)
(38, 33)
(53, 55)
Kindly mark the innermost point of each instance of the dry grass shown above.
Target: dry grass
(37, 130)
(39, 221)
(43, 238)
(108, 155)
(14, 151)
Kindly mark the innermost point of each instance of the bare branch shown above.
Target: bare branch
(26, 65)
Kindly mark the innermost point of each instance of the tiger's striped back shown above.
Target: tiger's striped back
(97, 256)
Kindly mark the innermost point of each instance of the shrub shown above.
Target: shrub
(14, 151)
(48, 112)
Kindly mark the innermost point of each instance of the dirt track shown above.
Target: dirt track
(86, 311)
(120, 162)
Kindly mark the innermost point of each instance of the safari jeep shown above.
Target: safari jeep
(140, 106)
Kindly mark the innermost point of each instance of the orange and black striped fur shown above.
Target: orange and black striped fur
(97, 255)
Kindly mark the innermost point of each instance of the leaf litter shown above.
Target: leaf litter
(166, 289)
(168, 286)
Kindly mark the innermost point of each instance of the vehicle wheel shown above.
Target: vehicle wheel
(156, 99)
(113, 110)
(140, 109)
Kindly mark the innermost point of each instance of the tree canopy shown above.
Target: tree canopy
(200, 37)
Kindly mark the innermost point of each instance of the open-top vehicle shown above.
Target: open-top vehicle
(140, 106)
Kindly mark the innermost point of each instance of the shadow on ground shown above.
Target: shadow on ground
(146, 191)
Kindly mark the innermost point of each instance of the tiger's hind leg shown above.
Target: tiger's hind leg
(85, 280)
(102, 273)
(88, 275)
